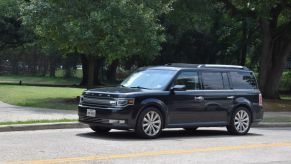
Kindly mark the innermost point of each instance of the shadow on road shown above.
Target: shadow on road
(166, 135)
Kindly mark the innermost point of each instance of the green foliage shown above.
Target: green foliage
(110, 29)
(12, 34)
(285, 84)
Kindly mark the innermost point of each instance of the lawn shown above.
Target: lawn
(37, 122)
(43, 97)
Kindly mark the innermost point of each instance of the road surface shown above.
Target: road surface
(207, 145)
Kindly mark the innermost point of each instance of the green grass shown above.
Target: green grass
(39, 80)
(277, 119)
(43, 97)
(286, 97)
(37, 121)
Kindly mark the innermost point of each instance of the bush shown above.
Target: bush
(285, 84)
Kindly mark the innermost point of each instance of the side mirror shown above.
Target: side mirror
(178, 88)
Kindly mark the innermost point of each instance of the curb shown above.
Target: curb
(42, 126)
(76, 125)
(273, 125)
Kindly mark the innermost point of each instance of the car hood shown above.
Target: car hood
(116, 90)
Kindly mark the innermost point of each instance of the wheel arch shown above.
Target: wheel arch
(155, 103)
(246, 106)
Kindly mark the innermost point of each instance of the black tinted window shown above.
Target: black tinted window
(212, 80)
(225, 80)
(189, 79)
(243, 80)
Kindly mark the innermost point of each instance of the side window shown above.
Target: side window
(243, 80)
(189, 79)
(225, 80)
(212, 80)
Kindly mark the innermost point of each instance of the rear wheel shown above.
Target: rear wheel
(100, 129)
(150, 123)
(240, 122)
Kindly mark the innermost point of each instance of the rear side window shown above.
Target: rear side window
(189, 79)
(212, 80)
(243, 80)
(225, 80)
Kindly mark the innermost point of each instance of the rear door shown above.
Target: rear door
(218, 95)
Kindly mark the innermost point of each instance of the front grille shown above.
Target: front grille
(98, 101)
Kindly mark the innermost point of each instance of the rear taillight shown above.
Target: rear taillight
(260, 99)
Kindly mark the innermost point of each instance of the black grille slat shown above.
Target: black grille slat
(95, 101)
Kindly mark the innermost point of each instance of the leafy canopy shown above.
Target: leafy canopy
(110, 29)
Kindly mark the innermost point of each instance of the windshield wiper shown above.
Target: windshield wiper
(139, 87)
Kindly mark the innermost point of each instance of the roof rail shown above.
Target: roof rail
(222, 66)
(187, 65)
(182, 65)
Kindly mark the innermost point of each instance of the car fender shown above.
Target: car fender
(156, 103)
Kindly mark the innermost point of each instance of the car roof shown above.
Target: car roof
(185, 66)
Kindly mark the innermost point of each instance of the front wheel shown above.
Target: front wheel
(240, 122)
(150, 123)
(100, 129)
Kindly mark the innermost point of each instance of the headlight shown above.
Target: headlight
(81, 99)
(121, 102)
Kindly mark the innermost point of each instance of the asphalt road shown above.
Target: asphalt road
(207, 145)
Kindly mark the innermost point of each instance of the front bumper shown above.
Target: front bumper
(114, 118)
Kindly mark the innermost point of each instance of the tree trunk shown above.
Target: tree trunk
(97, 72)
(91, 72)
(111, 72)
(274, 56)
(52, 70)
(244, 46)
(84, 62)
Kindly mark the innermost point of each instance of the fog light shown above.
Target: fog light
(113, 121)
(116, 121)
(122, 121)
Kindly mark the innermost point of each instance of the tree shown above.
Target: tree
(198, 32)
(98, 30)
(12, 33)
(274, 20)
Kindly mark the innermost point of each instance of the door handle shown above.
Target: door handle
(198, 98)
(230, 97)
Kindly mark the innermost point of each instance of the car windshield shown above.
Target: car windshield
(155, 79)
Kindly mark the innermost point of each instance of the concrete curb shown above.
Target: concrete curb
(273, 125)
(76, 125)
(42, 126)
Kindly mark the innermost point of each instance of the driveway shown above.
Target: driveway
(17, 113)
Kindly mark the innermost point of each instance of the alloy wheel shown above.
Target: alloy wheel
(152, 123)
(241, 121)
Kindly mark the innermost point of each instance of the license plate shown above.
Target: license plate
(91, 112)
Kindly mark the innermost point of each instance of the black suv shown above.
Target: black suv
(176, 96)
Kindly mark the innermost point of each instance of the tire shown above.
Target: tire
(150, 123)
(192, 129)
(99, 129)
(240, 122)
